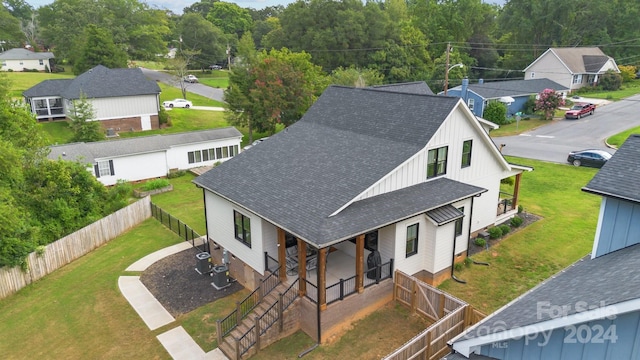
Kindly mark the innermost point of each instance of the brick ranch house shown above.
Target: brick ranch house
(390, 174)
(122, 99)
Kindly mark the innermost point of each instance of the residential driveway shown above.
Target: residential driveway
(203, 90)
(554, 141)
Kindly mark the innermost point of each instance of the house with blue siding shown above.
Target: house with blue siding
(590, 310)
(513, 93)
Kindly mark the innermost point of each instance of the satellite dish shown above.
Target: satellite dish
(506, 99)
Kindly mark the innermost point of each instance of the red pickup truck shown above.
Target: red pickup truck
(579, 110)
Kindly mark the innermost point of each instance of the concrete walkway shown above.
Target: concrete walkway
(176, 341)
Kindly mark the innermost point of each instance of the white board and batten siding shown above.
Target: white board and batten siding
(124, 106)
(220, 226)
(136, 167)
(485, 171)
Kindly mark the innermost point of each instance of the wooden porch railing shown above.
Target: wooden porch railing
(225, 325)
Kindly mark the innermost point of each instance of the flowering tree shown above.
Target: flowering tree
(548, 101)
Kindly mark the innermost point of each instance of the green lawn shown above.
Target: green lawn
(526, 257)
(21, 81)
(185, 202)
(628, 89)
(56, 132)
(519, 127)
(620, 138)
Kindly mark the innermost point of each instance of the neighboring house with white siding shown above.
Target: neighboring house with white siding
(19, 59)
(148, 157)
(389, 171)
(572, 67)
(122, 99)
(590, 309)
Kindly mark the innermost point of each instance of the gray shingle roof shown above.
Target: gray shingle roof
(514, 88)
(602, 281)
(593, 63)
(348, 140)
(574, 58)
(24, 54)
(620, 176)
(418, 87)
(89, 152)
(52, 87)
(99, 82)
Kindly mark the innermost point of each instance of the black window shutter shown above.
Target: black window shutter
(95, 168)
(111, 167)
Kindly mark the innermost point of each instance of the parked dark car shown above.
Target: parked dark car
(589, 157)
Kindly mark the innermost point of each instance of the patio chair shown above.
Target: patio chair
(292, 260)
(312, 263)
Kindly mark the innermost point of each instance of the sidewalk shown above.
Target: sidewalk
(176, 341)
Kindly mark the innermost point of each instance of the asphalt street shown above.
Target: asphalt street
(554, 141)
(203, 90)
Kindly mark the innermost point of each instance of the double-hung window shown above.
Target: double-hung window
(437, 162)
(242, 228)
(412, 240)
(466, 153)
(104, 168)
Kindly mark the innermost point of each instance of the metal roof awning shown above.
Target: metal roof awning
(444, 214)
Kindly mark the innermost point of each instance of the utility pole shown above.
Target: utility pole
(229, 56)
(446, 70)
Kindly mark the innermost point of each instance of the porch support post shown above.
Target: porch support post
(516, 191)
(360, 263)
(302, 269)
(322, 278)
(282, 256)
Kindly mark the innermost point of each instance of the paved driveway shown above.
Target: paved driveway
(554, 141)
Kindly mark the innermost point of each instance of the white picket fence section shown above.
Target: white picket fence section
(73, 246)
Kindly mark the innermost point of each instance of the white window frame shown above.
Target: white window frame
(471, 102)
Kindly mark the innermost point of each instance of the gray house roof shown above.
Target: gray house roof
(513, 88)
(579, 60)
(24, 54)
(417, 87)
(348, 140)
(620, 176)
(89, 152)
(606, 280)
(98, 82)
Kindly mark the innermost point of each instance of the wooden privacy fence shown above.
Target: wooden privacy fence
(72, 246)
(450, 315)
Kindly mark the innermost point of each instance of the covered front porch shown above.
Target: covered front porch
(508, 198)
(332, 273)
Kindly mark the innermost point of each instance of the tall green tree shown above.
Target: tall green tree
(355, 77)
(131, 24)
(99, 49)
(83, 123)
(230, 18)
(240, 110)
(198, 37)
(10, 32)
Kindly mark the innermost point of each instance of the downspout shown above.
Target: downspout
(317, 315)
(206, 223)
(469, 234)
(453, 259)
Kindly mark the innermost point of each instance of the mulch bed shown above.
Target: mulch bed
(527, 218)
(177, 285)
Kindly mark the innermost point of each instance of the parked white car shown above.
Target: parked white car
(191, 79)
(179, 103)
